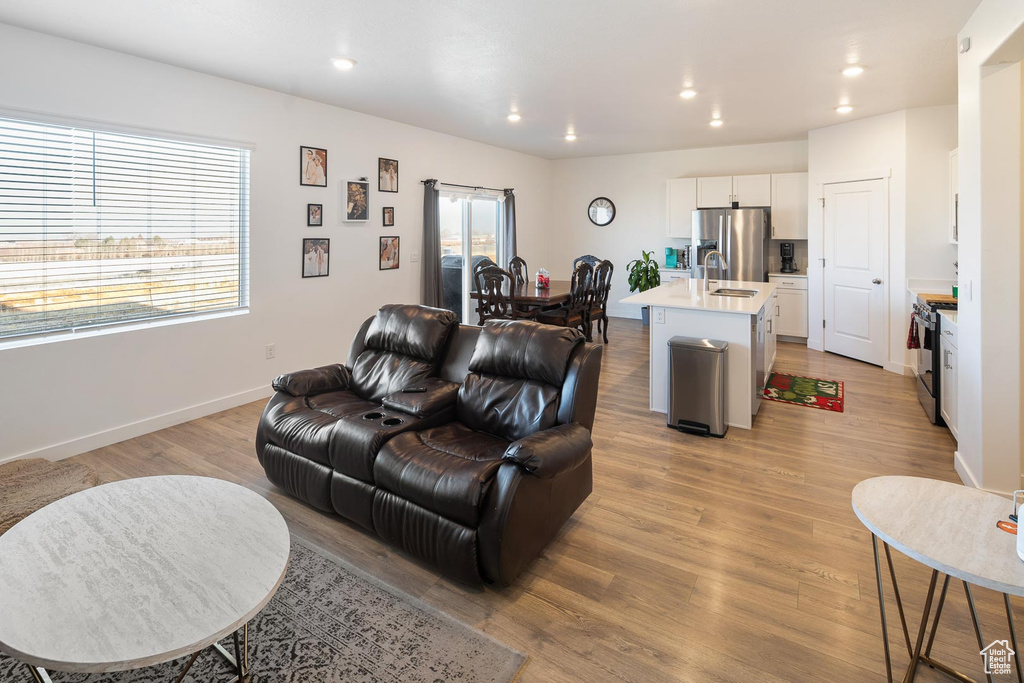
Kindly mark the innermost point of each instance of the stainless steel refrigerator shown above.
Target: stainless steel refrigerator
(741, 234)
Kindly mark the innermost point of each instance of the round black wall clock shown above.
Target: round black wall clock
(601, 211)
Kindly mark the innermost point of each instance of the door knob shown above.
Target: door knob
(876, 281)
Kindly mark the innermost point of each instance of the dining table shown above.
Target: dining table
(530, 295)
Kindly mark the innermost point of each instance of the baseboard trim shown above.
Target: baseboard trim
(968, 478)
(898, 368)
(130, 431)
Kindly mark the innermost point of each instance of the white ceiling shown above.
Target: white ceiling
(610, 69)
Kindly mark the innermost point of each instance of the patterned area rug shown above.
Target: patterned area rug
(826, 394)
(329, 622)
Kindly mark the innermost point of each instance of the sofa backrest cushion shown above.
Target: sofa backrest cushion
(411, 330)
(515, 378)
(404, 344)
(523, 349)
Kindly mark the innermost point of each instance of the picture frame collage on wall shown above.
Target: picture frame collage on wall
(356, 198)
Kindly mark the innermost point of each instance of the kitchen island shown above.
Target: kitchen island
(683, 308)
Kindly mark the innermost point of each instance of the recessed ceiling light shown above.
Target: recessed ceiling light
(716, 123)
(514, 117)
(688, 94)
(570, 137)
(343, 63)
(853, 70)
(844, 109)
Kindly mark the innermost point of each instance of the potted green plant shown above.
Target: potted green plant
(644, 275)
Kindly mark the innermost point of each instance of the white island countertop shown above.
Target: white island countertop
(689, 293)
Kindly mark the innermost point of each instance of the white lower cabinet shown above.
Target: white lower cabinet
(771, 338)
(791, 305)
(948, 383)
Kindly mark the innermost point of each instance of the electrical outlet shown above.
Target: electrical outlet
(271, 351)
(414, 257)
(659, 315)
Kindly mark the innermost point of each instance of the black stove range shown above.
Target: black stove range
(928, 322)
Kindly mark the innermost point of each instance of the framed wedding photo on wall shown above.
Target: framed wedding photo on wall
(357, 200)
(387, 175)
(389, 216)
(316, 255)
(314, 214)
(389, 252)
(313, 166)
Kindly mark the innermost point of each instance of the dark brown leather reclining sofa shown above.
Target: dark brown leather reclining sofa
(475, 474)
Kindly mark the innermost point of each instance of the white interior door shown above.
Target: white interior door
(856, 230)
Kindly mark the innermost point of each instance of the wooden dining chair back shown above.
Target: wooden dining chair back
(496, 298)
(581, 289)
(590, 259)
(575, 312)
(602, 290)
(517, 266)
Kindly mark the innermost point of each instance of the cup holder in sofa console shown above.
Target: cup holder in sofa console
(373, 416)
(392, 421)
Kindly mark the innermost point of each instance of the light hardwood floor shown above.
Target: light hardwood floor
(735, 559)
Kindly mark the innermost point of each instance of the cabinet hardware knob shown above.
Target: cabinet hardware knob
(877, 281)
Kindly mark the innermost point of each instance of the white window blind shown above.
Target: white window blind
(100, 228)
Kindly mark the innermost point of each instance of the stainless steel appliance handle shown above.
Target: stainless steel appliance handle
(924, 321)
(728, 242)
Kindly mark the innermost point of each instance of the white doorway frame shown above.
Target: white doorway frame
(885, 175)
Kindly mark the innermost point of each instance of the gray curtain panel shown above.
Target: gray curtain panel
(433, 295)
(509, 208)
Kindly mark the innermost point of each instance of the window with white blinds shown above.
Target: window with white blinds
(100, 228)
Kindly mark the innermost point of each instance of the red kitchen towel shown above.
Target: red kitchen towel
(913, 341)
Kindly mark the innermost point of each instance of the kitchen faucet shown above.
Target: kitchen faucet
(721, 259)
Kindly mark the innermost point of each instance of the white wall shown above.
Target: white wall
(989, 315)
(911, 148)
(931, 135)
(869, 148)
(637, 185)
(69, 396)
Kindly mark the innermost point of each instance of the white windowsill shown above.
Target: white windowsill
(101, 330)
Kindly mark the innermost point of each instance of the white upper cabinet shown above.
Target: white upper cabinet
(789, 206)
(682, 200)
(954, 196)
(714, 193)
(752, 190)
(722, 191)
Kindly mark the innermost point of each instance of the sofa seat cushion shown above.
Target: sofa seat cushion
(447, 470)
(291, 424)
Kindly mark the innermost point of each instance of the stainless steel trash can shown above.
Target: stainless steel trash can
(696, 386)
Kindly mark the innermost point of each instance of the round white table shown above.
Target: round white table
(950, 528)
(139, 572)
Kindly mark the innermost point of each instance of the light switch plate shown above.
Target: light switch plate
(414, 257)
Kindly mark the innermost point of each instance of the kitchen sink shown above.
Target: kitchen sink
(739, 293)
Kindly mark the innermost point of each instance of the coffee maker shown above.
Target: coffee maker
(787, 257)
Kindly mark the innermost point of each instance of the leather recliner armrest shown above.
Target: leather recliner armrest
(439, 395)
(552, 451)
(316, 381)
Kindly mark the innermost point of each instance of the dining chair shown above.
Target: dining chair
(496, 295)
(517, 266)
(575, 312)
(602, 289)
(590, 259)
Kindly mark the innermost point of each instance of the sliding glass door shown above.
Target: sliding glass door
(471, 234)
